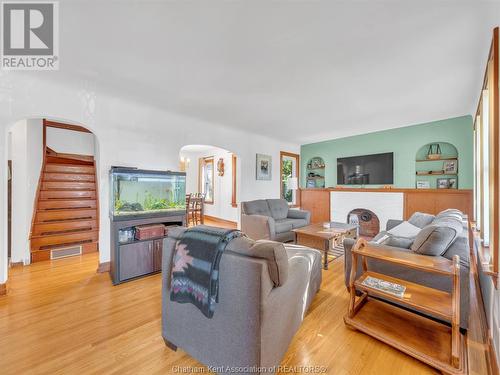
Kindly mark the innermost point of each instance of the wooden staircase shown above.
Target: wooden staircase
(66, 209)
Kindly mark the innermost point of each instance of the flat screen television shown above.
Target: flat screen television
(376, 169)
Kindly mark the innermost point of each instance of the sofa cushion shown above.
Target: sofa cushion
(387, 239)
(296, 223)
(450, 213)
(273, 253)
(437, 237)
(283, 225)
(421, 219)
(279, 208)
(405, 229)
(257, 207)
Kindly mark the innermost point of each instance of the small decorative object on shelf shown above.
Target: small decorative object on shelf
(220, 167)
(315, 173)
(450, 166)
(452, 183)
(423, 185)
(442, 183)
(434, 152)
(397, 290)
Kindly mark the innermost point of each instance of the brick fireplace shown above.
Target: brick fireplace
(369, 224)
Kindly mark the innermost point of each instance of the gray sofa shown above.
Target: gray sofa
(272, 219)
(265, 289)
(445, 234)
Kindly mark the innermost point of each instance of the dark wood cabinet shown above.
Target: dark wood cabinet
(157, 254)
(136, 259)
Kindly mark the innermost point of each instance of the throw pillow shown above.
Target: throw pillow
(405, 229)
(421, 219)
(436, 238)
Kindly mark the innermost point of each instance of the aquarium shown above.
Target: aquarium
(137, 192)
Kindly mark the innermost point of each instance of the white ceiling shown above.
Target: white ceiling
(296, 70)
(200, 149)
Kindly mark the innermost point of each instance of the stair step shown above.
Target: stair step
(69, 168)
(64, 225)
(67, 160)
(55, 204)
(57, 215)
(78, 177)
(67, 185)
(67, 194)
(44, 253)
(49, 241)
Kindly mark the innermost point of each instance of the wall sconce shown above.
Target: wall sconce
(184, 164)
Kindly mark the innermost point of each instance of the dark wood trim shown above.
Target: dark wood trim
(3, 289)
(234, 161)
(219, 220)
(60, 125)
(297, 174)
(103, 267)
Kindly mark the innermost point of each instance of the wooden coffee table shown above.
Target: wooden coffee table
(318, 237)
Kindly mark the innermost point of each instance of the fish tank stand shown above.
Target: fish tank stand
(142, 197)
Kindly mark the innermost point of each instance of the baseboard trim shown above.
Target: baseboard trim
(3, 289)
(16, 264)
(219, 220)
(104, 267)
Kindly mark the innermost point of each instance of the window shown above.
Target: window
(206, 178)
(487, 174)
(289, 174)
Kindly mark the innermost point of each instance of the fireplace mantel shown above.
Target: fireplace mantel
(317, 201)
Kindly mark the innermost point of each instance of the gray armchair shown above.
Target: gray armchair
(265, 290)
(272, 219)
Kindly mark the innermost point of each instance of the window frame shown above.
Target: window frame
(284, 154)
(488, 183)
(202, 163)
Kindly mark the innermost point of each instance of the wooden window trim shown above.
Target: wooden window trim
(489, 256)
(201, 163)
(297, 173)
(234, 161)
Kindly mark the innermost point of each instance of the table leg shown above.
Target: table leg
(326, 248)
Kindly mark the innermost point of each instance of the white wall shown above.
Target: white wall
(71, 142)
(223, 185)
(25, 150)
(129, 133)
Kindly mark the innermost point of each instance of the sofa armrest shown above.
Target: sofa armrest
(299, 214)
(391, 223)
(258, 227)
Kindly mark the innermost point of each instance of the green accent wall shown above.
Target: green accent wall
(405, 143)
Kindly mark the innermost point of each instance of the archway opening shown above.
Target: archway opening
(212, 172)
(52, 190)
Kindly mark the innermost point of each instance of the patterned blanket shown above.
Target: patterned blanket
(195, 266)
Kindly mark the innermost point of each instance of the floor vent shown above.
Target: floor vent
(65, 252)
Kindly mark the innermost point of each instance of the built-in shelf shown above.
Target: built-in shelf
(440, 159)
(434, 301)
(435, 173)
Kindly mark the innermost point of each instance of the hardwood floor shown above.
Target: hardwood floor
(61, 317)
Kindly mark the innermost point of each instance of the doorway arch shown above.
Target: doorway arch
(213, 171)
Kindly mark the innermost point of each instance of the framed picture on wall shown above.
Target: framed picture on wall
(263, 167)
